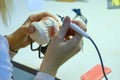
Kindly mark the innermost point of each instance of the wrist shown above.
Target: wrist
(12, 44)
(49, 68)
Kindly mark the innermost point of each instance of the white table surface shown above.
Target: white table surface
(103, 27)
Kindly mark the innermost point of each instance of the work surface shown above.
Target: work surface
(103, 26)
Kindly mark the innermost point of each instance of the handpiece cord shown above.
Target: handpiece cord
(102, 65)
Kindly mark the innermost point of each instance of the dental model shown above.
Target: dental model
(45, 29)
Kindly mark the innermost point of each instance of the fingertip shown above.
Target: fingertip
(67, 19)
(31, 29)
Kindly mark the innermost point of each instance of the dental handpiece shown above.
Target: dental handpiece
(79, 30)
(76, 28)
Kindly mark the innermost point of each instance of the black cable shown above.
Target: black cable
(37, 49)
(99, 57)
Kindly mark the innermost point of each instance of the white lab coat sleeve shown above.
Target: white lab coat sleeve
(5, 63)
(43, 76)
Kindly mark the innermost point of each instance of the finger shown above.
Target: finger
(27, 29)
(71, 32)
(80, 24)
(30, 29)
(35, 18)
(76, 39)
(65, 27)
(39, 16)
(45, 14)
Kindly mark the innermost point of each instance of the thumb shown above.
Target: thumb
(28, 28)
(65, 27)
